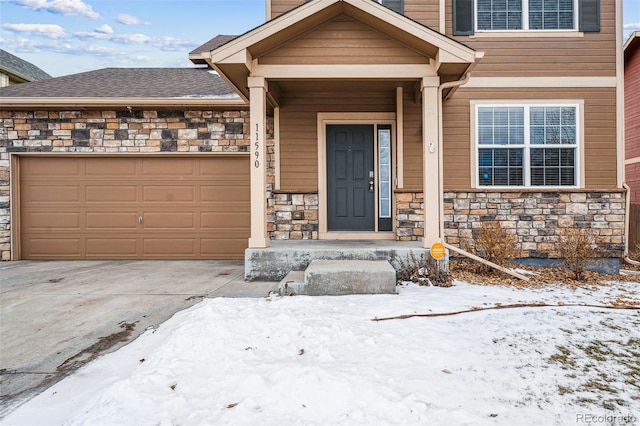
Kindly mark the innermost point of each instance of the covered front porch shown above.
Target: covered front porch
(345, 104)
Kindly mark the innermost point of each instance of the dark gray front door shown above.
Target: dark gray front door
(350, 203)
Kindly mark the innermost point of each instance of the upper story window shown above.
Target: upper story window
(527, 145)
(470, 16)
(397, 5)
(495, 15)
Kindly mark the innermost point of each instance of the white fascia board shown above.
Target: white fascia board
(9, 103)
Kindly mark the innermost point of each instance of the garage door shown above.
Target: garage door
(134, 207)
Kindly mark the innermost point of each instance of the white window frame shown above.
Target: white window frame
(525, 21)
(527, 146)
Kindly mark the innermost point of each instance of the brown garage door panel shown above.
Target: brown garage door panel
(134, 207)
(113, 193)
(170, 221)
(64, 248)
(111, 167)
(234, 219)
(49, 221)
(40, 193)
(49, 166)
(105, 247)
(112, 221)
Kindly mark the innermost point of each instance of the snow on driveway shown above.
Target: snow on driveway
(321, 360)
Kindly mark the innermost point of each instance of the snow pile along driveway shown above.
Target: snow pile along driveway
(321, 360)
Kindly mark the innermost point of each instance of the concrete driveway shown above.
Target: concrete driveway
(56, 316)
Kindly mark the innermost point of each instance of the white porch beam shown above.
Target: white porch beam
(258, 163)
(431, 166)
(382, 71)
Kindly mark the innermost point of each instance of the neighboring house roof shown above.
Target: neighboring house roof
(125, 85)
(632, 44)
(20, 68)
(196, 54)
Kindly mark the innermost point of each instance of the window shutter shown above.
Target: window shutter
(589, 15)
(397, 5)
(463, 17)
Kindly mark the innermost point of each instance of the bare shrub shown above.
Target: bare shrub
(577, 248)
(423, 270)
(494, 244)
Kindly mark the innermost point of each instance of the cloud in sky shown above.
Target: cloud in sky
(33, 46)
(104, 29)
(632, 27)
(171, 44)
(127, 19)
(115, 38)
(45, 30)
(61, 7)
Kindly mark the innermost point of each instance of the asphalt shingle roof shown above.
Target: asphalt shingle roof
(214, 43)
(127, 83)
(21, 67)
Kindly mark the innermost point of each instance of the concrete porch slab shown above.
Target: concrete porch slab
(273, 263)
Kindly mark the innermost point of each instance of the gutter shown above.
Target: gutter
(444, 86)
(33, 102)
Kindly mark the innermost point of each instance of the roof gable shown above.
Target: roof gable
(344, 40)
(238, 58)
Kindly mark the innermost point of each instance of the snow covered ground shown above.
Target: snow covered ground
(321, 360)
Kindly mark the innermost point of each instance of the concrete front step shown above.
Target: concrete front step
(341, 277)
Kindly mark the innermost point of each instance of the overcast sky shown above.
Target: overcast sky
(69, 36)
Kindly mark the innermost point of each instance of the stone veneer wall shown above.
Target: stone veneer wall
(538, 218)
(409, 216)
(282, 223)
(113, 131)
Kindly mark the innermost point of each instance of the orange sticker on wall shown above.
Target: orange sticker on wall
(438, 251)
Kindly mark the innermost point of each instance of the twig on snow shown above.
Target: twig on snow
(512, 306)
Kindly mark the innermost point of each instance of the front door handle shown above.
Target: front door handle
(139, 219)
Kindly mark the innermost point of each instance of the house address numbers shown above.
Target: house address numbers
(256, 163)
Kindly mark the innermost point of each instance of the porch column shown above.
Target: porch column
(430, 167)
(258, 162)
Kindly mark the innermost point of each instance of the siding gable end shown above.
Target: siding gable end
(343, 40)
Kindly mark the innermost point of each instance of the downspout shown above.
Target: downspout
(441, 89)
(626, 226)
(444, 86)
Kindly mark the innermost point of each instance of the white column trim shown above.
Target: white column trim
(258, 136)
(399, 138)
(431, 165)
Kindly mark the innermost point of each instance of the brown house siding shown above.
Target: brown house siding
(278, 7)
(425, 12)
(599, 129)
(148, 131)
(349, 41)
(412, 160)
(594, 54)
